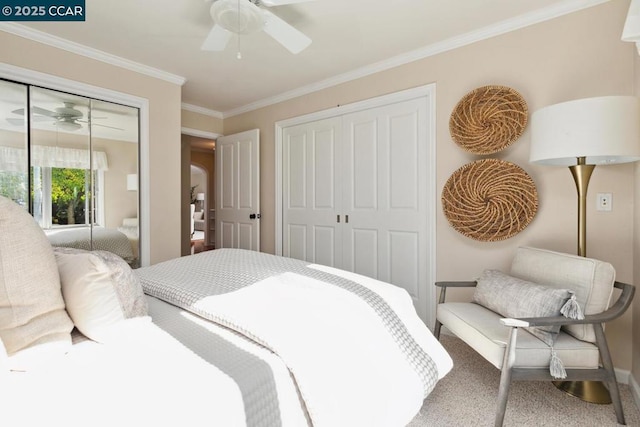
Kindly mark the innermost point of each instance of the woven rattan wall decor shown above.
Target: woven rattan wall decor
(489, 200)
(488, 119)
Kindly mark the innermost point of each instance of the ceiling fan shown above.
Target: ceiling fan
(249, 16)
(67, 117)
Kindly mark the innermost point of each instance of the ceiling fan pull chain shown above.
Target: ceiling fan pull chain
(239, 54)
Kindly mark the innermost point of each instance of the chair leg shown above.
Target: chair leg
(436, 329)
(505, 378)
(607, 363)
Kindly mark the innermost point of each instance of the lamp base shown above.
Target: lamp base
(588, 391)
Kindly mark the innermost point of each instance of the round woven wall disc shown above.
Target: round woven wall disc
(489, 200)
(488, 119)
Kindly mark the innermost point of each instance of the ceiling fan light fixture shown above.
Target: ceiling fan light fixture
(239, 17)
(68, 125)
(68, 111)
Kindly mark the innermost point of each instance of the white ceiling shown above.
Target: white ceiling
(350, 38)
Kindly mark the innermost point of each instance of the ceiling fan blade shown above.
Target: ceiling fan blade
(285, 34)
(105, 126)
(217, 39)
(43, 112)
(36, 110)
(270, 3)
(38, 118)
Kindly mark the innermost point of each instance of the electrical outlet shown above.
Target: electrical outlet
(605, 202)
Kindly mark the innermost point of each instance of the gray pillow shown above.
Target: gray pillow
(32, 310)
(516, 298)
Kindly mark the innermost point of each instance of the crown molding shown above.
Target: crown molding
(202, 110)
(199, 133)
(69, 46)
(557, 10)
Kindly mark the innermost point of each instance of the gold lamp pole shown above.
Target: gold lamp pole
(589, 391)
(603, 130)
(581, 175)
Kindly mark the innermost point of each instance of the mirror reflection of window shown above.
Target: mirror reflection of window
(60, 163)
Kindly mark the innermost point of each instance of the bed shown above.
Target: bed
(222, 338)
(106, 239)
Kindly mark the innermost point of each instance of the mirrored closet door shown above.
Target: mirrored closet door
(72, 161)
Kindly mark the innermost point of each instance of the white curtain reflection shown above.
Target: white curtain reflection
(14, 159)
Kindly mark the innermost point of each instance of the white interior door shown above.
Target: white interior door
(238, 191)
(311, 177)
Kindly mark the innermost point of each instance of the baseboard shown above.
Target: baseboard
(622, 376)
(635, 390)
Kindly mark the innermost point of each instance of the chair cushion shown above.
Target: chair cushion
(513, 297)
(32, 309)
(591, 280)
(481, 329)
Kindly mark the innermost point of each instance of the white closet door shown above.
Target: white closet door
(238, 191)
(311, 192)
(385, 195)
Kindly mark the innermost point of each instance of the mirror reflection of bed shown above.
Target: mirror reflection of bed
(97, 238)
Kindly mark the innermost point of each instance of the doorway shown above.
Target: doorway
(198, 174)
(198, 207)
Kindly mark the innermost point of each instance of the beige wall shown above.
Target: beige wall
(576, 56)
(164, 126)
(202, 122)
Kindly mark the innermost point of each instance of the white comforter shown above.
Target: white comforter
(355, 346)
(142, 377)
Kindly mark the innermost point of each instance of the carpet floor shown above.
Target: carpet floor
(467, 396)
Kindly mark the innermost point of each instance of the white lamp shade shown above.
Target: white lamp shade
(200, 196)
(132, 182)
(605, 130)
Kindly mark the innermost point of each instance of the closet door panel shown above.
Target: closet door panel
(403, 179)
(311, 193)
(364, 164)
(404, 263)
(385, 190)
(364, 251)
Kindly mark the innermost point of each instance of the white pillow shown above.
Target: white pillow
(100, 290)
(4, 361)
(31, 305)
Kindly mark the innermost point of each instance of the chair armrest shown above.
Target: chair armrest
(445, 285)
(613, 312)
(466, 284)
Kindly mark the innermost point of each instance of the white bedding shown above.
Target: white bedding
(325, 360)
(358, 351)
(147, 377)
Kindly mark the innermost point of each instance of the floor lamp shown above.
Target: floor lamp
(582, 134)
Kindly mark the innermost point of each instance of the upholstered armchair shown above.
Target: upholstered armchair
(198, 221)
(544, 320)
